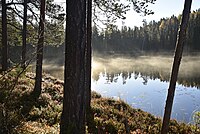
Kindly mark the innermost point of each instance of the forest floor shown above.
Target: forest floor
(20, 114)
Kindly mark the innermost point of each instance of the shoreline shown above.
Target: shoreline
(110, 116)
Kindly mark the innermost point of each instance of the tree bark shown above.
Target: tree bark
(4, 37)
(175, 68)
(38, 78)
(73, 114)
(88, 60)
(24, 36)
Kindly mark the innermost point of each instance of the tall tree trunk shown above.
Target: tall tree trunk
(4, 37)
(88, 60)
(38, 78)
(24, 36)
(73, 114)
(175, 68)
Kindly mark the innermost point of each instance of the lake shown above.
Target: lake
(143, 82)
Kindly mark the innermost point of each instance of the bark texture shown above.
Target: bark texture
(88, 60)
(73, 114)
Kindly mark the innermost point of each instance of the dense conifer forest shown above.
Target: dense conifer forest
(151, 37)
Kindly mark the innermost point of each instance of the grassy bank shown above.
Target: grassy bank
(20, 113)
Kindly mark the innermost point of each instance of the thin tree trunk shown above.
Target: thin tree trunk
(88, 60)
(73, 114)
(38, 78)
(24, 36)
(175, 68)
(4, 37)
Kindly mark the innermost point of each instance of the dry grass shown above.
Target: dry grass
(20, 114)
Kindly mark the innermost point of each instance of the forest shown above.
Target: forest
(151, 37)
(157, 37)
(35, 31)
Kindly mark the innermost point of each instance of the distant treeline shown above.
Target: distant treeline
(153, 36)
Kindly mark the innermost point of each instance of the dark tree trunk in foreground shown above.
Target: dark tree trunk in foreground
(24, 36)
(88, 59)
(4, 37)
(175, 68)
(38, 78)
(73, 114)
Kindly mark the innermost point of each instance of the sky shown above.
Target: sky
(161, 8)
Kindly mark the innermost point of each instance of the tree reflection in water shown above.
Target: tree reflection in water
(147, 68)
(143, 81)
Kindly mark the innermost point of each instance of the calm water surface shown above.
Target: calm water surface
(142, 82)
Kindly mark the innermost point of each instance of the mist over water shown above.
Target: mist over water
(142, 82)
(151, 67)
